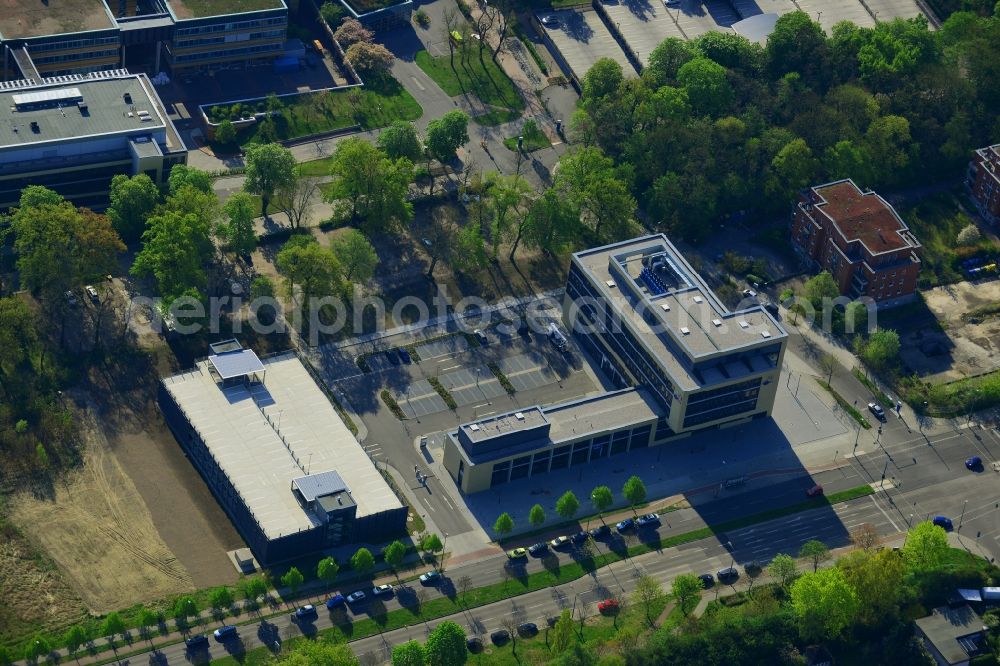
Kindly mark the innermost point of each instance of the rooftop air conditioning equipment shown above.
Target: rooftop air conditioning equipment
(685, 330)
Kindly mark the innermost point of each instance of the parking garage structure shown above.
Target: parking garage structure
(649, 320)
(277, 456)
(536, 440)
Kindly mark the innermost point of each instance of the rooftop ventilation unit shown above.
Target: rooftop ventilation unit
(474, 427)
(611, 284)
(127, 97)
(665, 306)
(697, 299)
(717, 322)
(685, 330)
(35, 128)
(744, 324)
(765, 334)
(519, 416)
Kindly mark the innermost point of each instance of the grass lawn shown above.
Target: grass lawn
(534, 139)
(935, 222)
(365, 6)
(320, 167)
(202, 8)
(482, 78)
(375, 105)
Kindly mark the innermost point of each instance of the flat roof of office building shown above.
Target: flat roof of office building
(567, 421)
(686, 310)
(22, 19)
(55, 108)
(190, 9)
(863, 216)
(260, 463)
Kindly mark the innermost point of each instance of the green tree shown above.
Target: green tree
(362, 561)
(431, 543)
(708, 89)
(848, 159)
(536, 516)
(649, 594)
(890, 144)
(225, 133)
(782, 569)
(507, 196)
(601, 498)
(319, 653)
(588, 179)
(293, 579)
(602, 80)
(356, 255)
(797, 44)
(446, 645)
(634, 491)
(184, 608)
(968, 236)
(145, 620)
(369, 186)
(447, 134)
(816, 551)
(238, 231)
(562, 631)
(567, 505)
(824, 604)
(313, 268)
(41, 456)
(686, 589)
(176, 248)
(327, 570)
(795, 168)
(410, 653)
(37, 647)
(877, 579)
(926, 547)
(183, 175)
(371, 60)
(666, 60)
(400, 139)
(269, 167)
(132, 202)
(503, 526)
(393, 555)
(75, 637)
(220, 598)
(253, 588)
(469, 251)
(35, 196)
(551, 224)
(820, 286)
(881, 350)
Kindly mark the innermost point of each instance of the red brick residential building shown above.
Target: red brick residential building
(984, 181)
(860, 239)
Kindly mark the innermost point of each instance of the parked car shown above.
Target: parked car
(727, 575)
(517, 553)
(305, 612)
(196, 642)
(405, 356)
(392, 356)
(648, 520)
(815, 491)
(92, 293)
(430, 578)
(974, 463)
(707, 580)
(381, 590)
(71, 299)
(527, 629)
(500, 637)
(550, 21)
(773, 309)
(579, 538)
(474, 644)
(225, 633)
(423, 442)
(877, 410)
(560, 542)
(483, 340)
(602, 532)
(355, 597)
(625, 525)
(608, 606)
(943, 522)
(336, 600)
(538, 549)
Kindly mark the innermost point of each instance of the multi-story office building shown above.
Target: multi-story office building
(685, 362)
(860, 239)
(73, 135)
(984, 181)
(277, 456)
(82, 36)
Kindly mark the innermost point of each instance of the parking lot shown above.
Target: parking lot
(886, 10)
(525, 373)
(583, 39)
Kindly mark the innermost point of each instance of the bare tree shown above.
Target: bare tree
(296, 200)
(449, 25)
(509, 622)
(484, 24)
(865, 537)
(464, 584)
(827, 363)
(504, 11)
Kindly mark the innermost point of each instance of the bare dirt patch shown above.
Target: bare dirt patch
(96, 528)
(964, 347)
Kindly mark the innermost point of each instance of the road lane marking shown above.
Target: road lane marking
(891, 522)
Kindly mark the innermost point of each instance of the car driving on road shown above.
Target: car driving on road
(877, 410)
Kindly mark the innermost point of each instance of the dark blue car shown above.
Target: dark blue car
(943, 522)
(335, 600)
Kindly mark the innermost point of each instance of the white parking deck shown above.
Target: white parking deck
(583, 39)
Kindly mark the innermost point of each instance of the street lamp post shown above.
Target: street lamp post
(884, 470)
(964, 504)
(444, 546)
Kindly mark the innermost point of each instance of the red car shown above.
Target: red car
(608, 606)
(815, 491)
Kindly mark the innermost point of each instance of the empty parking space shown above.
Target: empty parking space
(644, 24)
(378, 362)
(467, 387)
(886, 10)
(748, 8)
(832, 12)
(525, 374)
(453, 344)
(582, 39)
(420, 399)
(698, 18)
